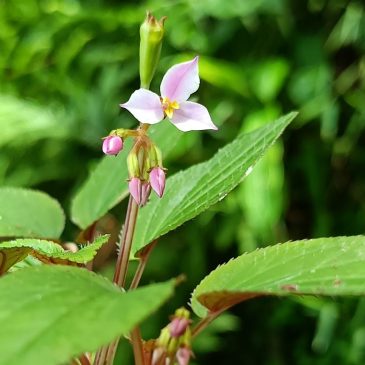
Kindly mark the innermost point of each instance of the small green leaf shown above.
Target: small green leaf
(107, 184)
(190, 192)
(53, 313)
(29, 213)
(323, 266)
(47, 251)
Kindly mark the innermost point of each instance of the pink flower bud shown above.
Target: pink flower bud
(183, 355)
(157, 180)
(112, 145)
(145, 193)
(178, 326)
(135, 188)
(158, 356)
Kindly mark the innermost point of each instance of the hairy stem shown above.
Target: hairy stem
(105, 355)
(126, 243)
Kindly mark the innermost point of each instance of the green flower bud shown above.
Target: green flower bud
(164, 338)
(133, 164)
(151, 33)
(154, 156)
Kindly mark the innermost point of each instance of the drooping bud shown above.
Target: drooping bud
(145, 193)
(178, 326)
(183, 355)
(151, 33)
(112, 145)
(157, 180)
(158, 356)
(135, 188)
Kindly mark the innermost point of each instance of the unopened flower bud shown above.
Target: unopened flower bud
(112, 145)
(178, 326)
(133, 164)
(151, 33)
(183, 355)
(135, 188)
(154, 156)
(158, 356)
(145, 193)
(157, 180)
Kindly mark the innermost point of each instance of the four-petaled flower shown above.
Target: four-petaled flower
(179, 82)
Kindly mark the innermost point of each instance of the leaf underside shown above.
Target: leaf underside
(46, 251)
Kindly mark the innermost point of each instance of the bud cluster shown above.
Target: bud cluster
(144, 163)
(145, 170)
(174, 344)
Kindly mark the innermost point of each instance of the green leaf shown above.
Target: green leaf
(190, 192)
(24, 118)
(29, 213)
(14, 251)
(323, 266)
(261, 196)
(107, 186)
(225, 75)
(52, 313)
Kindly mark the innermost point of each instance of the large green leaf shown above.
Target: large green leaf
(29, 213)
(190, 192)
(52, 313)
(323, 266)
(107, 186)
(14, 251)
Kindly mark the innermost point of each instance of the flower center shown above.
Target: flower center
(169, 106)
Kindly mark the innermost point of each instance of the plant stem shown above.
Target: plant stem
(126, 243)
(84, 360)
(143, 258)
(106, 354)
(137, 346)
(204, 323)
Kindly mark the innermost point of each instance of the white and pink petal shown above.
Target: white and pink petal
(181, 80)
(192, 117)
(145, 106)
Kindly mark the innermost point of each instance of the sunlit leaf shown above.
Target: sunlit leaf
(29, 213)
(190, 192)
(52, 313)
(323, 266)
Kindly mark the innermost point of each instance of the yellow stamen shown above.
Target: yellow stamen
(169, 106)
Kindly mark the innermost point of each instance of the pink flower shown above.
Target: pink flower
(178, 326)
(179, 82)
(145, 193)
(157, 180)
(183, 356)
(112, 145)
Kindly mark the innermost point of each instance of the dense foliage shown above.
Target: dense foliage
(66, 65)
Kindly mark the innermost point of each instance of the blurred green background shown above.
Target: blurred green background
(65, 67)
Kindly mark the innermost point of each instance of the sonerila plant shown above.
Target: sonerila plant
(55, 310)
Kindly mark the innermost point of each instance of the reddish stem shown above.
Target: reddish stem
(143, 258)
